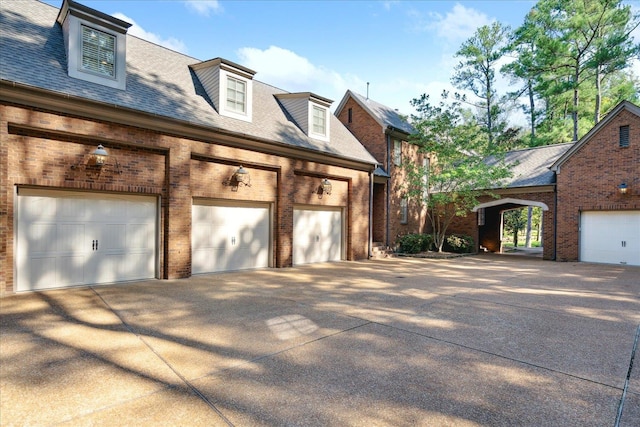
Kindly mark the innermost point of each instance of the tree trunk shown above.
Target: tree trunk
(489, 102)
(532, 112)
(574, 113)
(527, 242)
(596, 117)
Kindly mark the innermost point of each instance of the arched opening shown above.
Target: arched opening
(501, 224)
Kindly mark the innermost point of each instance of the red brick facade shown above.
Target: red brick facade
(588, 180)
(388, 193)
(39, 149)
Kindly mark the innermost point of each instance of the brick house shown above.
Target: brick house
(122, 160)
(589, 192)
(598, 184)
(385, 133)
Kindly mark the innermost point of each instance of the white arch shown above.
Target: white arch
(514, 201)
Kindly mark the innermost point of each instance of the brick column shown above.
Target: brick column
(177, 229)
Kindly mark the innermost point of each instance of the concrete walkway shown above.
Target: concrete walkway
(481, 340)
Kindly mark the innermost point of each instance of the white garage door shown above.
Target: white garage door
(317, 236)
(226, 238)
(70, 239)
(611, 237)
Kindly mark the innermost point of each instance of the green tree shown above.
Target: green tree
(457, 174)
(514, 221)
(477, 72)
(578, 42)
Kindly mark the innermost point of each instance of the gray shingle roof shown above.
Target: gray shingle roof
(159, 82)
(532, 165)
(386, 116)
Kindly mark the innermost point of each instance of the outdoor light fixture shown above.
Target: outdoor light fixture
(241, 176)
(622, 188)
(97, 163)
(99, 156)
(326, 187)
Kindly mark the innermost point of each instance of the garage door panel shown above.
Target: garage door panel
(85, 240)
(42, 272)
(139, 236)
(611, 237)
(317, 236)
(230, 237)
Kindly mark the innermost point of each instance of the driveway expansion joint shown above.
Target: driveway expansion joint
(185, 381)
(626, 381)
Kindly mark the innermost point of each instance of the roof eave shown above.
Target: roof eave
(25, 95)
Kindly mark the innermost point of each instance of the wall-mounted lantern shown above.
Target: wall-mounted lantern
(238, 178)
(242, 177)
(99, 156)
(622, 188)
(99, 160)
(326, 187)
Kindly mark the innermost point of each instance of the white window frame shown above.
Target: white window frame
(96, 52)
(75, 54)
(397, 152)
(313, 107)
(404, 210)
(234, 99)
(225, 110)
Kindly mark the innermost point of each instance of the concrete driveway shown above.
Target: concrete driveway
(481, 340)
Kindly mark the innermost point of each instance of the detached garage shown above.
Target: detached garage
(74, 238)
(317, 235)
(598, 192)
(611, 237)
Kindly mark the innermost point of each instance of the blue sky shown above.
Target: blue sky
(402, 48)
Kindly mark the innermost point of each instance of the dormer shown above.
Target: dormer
(228, 85)
(95, 43)
(310, 112)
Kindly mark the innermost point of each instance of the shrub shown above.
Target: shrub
(459, 243)
(414, 243)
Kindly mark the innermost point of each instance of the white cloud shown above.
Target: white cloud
(458, 24)
(138, 31)
(299, 74)
(204, 7)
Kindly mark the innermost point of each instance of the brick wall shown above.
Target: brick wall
(40, 148)
(589, 180)
(374, 137)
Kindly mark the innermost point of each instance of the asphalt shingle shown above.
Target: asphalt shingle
(159, 82)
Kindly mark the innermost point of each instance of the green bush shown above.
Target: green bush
(459, 243)
(414, 243)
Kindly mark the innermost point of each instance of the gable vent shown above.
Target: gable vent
(624, 136)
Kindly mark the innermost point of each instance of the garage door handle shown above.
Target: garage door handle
(624, 244)
(94, 245)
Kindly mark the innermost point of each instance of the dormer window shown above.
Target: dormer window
(310, 112)
(98, 52)
(95, 44)
(236, 95)
(319, 121)
(229, 87)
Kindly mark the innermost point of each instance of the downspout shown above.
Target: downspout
(555, 222)
(370, 243)
(387, 201)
